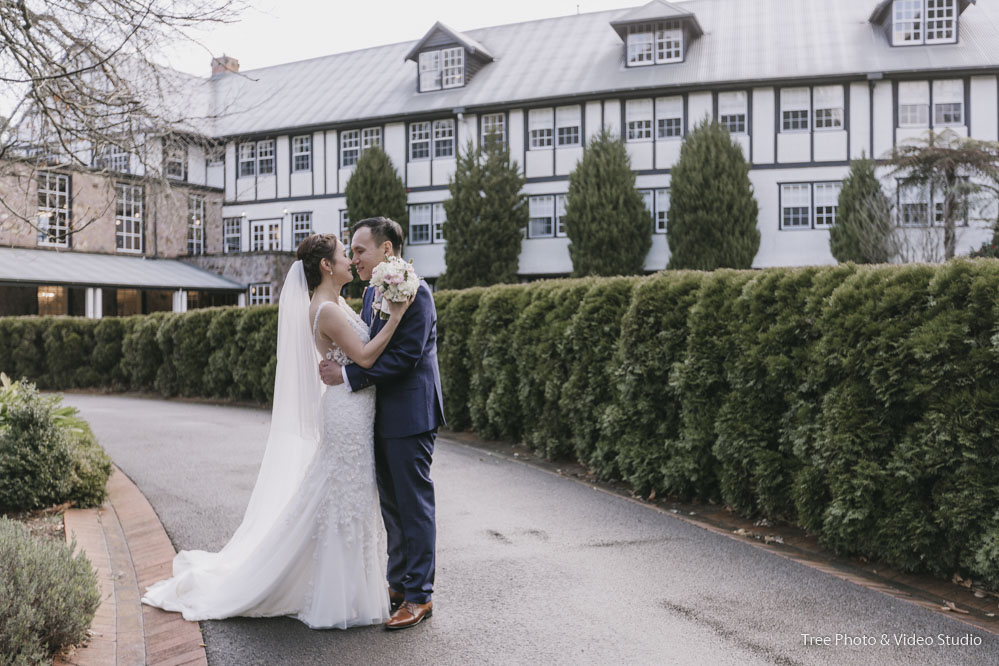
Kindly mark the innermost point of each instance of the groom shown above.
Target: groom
(409, 409)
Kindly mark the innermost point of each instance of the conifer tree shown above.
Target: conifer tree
(712, 215)
(609, 227)
(864, 232)
(486, 214)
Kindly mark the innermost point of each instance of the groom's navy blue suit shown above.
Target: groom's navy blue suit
(409, 409)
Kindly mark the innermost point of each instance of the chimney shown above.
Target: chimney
(224, 64)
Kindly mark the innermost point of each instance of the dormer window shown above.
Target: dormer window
(652, 44)
(446, 59)
(917, 22)
(444, 68)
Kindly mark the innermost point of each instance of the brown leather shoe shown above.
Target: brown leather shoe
(410, 614)
(395, 599)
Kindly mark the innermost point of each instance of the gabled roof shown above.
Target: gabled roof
(656, 10)
(881, 10)
(470, 44)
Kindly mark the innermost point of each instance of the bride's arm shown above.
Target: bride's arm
(333, 322)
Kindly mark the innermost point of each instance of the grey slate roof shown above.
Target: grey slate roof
(78, 268)
(745, 41)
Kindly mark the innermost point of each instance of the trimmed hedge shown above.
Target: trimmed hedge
(857, 402)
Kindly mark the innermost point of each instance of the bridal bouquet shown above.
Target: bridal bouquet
(396, 280)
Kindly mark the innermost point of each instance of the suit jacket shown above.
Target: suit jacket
(410, 399)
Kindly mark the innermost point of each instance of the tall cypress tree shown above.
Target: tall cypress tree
(485, 215)
(864, 232)
(712, 215)
(609, 227)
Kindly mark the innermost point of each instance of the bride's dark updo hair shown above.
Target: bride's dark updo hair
(311, 251)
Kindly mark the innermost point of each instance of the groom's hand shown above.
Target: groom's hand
(330, 373)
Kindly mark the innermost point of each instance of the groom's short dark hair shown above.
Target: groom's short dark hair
(382, 229)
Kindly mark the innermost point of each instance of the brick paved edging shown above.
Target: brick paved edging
(129, 550)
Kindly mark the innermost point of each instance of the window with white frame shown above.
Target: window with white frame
(53, 209)
(444, 138)
(350, 147)
(494, 124)
(828, 107)
(421, 218)
(941, 21)
(913, 206)
(826, 204)
(440, 215)
(924, 22)
(301, 227)
(940, 202)
(112, 158)
(195, 224)
(260, 293)
(657, 203)
(370, 136)
(345, 227)
(301, 153)
(232, 234)
(247, 159)
(795, 108)
(128, 218)
(640, 48)
(567, 123)
(560, 202)
(796, 206)
(654, 43)
(265, 235)
(914, 104)
(669, 117)
(907, 21)
(733, 107)
(443, 68)
(265, 157)
(638, 119)
(540, 125)
(215, 155)
(669, 43)
(256, 158)
(948, 103)
(175, 159)
(419, 141)
(542, 224)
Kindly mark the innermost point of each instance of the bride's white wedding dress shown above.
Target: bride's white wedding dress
(322, 557)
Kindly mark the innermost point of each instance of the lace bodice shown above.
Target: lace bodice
(329, 349)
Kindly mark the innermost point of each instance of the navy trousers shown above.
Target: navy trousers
(402, 468)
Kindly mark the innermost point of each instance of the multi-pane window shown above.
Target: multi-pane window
(421, 218)
(301, 153)
(370, 136)
(419, 141)
(828, 107)
(494, 124)
(669, 43)
(265, 157)
(640, 48)
(638, 116)
(913, 206)
(733, 107)
(260, 293)
(53, 209)
(796, 206)
(669, 117)
(540, 124)
(195, 224)
(657, 203)
(655, 43)
(560, 202)
(443, 138)
(128, 217)
(256, 158)
(345, 227)
(444, 68)
(567, 123)
(542, 224)
(907, 21)
(941, 21)
(924, 21)
(112, 158)
(795, 108)
(350, 147)
(440, 215)
(948, 102)
(232, 234)
(265, 235)
(914, 104)
(247, 159)
(301, 227)
(826, 203)
(175, 160)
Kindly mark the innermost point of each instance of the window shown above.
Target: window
(542, 224)
(350, 147)
(640, 48)
(128, 217)
(669, 117)
(907, 21)
(195, 224)
(826, 203)
(175, 160)
(494, 124)
(560, 202)
(419, 141)
(440, 215)
(53, 209)
(796, 206)
(215, 155)
(256, 158)
(540, 123)
(371, 136)
(112, 158)
(567, 123)
(924, 22)
(443, 138)
(655, 43)
(265, 235)
(657, 203)
(948, 103)
(265, 157)
(444, 68)
(962, 204)
(913, 206)
(232, 234)
(669, 43)
(941, 21)
(301, 153)
(420, 221)
(260, 293)
(795, 107)
(828, 107)
(914, 104)
(247, 159)
(732, 111)
(345, 228)
(301, 227)
(638, 116)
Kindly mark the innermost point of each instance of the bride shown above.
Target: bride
(312, 542)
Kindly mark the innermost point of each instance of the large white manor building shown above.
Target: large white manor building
(804, 86)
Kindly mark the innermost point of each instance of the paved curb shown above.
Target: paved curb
(129, 550)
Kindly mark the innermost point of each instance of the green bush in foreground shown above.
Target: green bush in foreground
(48, 597)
